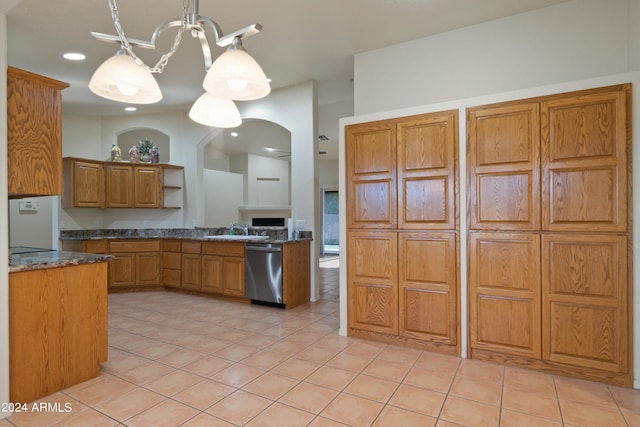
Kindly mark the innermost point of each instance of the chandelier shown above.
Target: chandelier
(234, 76)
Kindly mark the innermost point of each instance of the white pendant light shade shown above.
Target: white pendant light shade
(119, 78)
(236, 75)
(210, 110)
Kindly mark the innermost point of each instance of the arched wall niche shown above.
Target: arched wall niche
(130, 137)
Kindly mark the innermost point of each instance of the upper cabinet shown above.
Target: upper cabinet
(34, 134)
(96, 184)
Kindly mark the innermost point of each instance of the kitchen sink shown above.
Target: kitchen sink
(237, 237)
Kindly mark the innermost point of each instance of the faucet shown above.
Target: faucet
(245, 228)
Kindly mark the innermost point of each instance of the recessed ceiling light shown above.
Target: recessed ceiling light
(270, 149)
(234, 134)
(130, 109)
(74, 56)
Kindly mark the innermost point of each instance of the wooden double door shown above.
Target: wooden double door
(403, 230)
(549, 232)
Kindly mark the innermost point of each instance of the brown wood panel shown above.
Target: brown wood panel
(34, 134)
(147, 188)
(371, 175)
(428, 286)
(232, 277)
(223, 248)
(122, 270)
(171, 260)
(296, 273)
(83, 184)
(372, 288)
(193, 247)
(119, 182)
(171, 245)
(503, 161)
(172, 278)
(504, 293)
(427, 168)
(95, 246)
(585, 152)
(147, 268)
(57, 328)
(143, 245)
(585, 301)
(212, 273)
(191, 271)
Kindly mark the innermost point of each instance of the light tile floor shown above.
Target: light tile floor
(182, 360)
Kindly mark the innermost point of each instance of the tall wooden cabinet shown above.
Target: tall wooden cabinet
(34, 134)
(403, 230)
(549, 233)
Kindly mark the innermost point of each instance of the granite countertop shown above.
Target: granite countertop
(274, 234)
(35, 259)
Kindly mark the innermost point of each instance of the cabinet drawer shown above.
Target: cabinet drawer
(191, 247)
(171, 277)
(171, 260)
(135, 246)
(171, 245)
(223, 248)
(96, 246)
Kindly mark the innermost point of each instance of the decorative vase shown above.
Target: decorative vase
(116, 153)
(155, 155)
(145, 158)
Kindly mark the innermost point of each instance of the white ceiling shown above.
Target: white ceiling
(301, 40)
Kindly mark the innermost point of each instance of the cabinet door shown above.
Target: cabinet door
(147, 187)
(232, 277)
(34, 134)
(88, 185)
(148, 268)
(426, 159)
(503, 161)
(122, 270)
(428, 290)
(371, 175)
(191, 271)
(372, 289)
(504, 293)
(585, 293)
(585, 142)
(212, 273)
(119, 186)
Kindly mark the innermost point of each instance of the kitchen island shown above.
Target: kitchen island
(57, 320)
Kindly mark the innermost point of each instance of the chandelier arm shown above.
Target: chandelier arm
(206, 49)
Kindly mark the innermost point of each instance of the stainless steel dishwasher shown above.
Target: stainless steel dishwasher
(263, 273)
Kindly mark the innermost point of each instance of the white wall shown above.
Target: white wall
(562, 48)
(4, 235)
(267, 182)
(328, 173)
(33, 228)
(222, 196)
(571, 41)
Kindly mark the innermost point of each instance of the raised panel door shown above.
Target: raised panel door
(503, 157)
(148, 268)
(372, 289)
(147, 189)
(119, 186)
(585, 151)
(426, 163)
(504, 293)
(88, 185)
(212, 273)
(585, 300)
(191, 271)
(122, 270)
(428, 286)
(371, 175)
(233, 276)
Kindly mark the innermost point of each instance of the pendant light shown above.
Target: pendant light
(210, 110)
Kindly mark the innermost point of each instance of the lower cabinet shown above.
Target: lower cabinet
(552, 301)
(223, 268)
(403, 287)
(171, 263)
(191, 265)
(136, 265)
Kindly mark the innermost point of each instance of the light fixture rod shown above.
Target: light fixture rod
(191, 21)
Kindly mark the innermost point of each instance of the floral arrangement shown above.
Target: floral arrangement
(144, 146)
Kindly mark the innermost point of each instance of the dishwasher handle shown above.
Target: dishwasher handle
(263, 248)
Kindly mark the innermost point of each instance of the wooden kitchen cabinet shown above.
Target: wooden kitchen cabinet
(191, 264)
(549, 259)
(147, 187)
(34, 134)
(136, 265)
(83, 184)
(223, 268)
(171, 263)
(402, 281)
(296, 273)
(119, 182)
